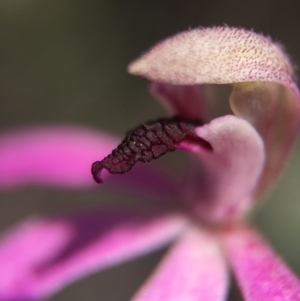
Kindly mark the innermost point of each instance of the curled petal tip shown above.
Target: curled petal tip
(96, 171)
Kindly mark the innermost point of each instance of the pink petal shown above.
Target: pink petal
(265, 92)
(219, 186)
(51, 155)
(261, 274)
(41, 256)
(192, 270)
(63, 156)
(174, 99)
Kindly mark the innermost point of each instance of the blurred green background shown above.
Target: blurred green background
(65, 61)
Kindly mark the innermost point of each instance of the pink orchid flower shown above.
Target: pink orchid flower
(234, 160)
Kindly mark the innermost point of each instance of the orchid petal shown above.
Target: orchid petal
(265, 92)
(41, 256)
(51, 155)
(218, 187)
(260, 273)
(63, 156)
(219, 55)
(274, 111)
(174, 99)
(192, 270)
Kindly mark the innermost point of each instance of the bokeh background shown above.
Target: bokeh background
(64, 62)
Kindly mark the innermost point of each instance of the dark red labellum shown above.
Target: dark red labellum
(149, 141)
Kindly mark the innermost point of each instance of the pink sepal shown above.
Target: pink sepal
(41, 256)
(192, 270)
(260, 273)
(62, 156)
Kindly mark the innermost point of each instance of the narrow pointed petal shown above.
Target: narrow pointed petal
(62, 156)
(218, 188)
(192, 270)
(264, 88)
(41, 256)
(260, 273)
(174, 99)
(51, 155)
